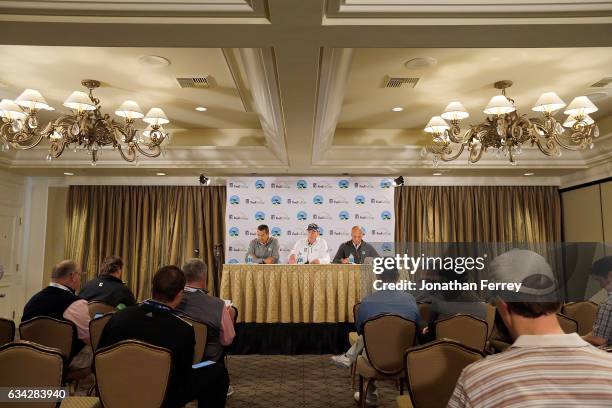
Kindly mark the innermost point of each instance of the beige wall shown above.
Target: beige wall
(54, 239)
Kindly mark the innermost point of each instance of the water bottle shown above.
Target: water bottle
(351, 259)
(249, 259)
(300, 258)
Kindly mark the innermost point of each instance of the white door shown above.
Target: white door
(9, 255)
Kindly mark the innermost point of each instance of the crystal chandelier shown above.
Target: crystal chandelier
(505, 131)
(86, 127)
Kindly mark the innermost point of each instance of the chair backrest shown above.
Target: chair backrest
(96, 326)
(132, 374)
(201, 334)
(490, 319)
(424, 311)
(568, 324)
(356, 307)
(466, 329)
(96, 307)
(7, 331)
(49, 332)
(385, 339)
(234, 314)
(433, 369)
(584, 313)
(26, 364)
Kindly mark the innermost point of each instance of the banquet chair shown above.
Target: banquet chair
(132, 374)
(50, 332)
(584, 313)
(96, 326)
(81, 402)
(490, 319)
(466, 329)
(432, 370)
(201, 333)
(26, 364)
(7, 331)
(352, 337)
(568, 324)
(386, 337)
(96, 307)
(234, 314)
(424, 311)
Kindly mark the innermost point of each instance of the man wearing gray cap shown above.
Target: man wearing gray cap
(602, 327)
(544, 366)
(310, 250)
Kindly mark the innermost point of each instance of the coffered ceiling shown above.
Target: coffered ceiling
(298, 86)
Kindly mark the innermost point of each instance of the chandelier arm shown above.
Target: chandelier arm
(156, 148)
(57, 148)
(130, 157)
(451, 157)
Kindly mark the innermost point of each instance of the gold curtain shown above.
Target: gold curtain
(147, 226)
(477, 214)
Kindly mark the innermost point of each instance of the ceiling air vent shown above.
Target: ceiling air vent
(194, 82)
(398, 82)
(602, 82)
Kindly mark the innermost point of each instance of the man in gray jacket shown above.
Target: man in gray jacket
(264, 249)
(356, 247)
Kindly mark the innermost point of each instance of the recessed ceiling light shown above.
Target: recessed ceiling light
(397, 109)
(68, 174)
(154, 61)
(161, 174)
(201, 108)
(528, 174)
(437, 173)
(420, 62)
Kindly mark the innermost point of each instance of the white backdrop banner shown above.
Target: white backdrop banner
(288, 204)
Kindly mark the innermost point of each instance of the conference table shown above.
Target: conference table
(293, 293)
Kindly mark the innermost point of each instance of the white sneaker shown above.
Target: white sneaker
(371, 400)
(230, 390)
(341, 360)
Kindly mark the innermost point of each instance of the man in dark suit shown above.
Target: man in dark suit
(155, 322)
(108, 286)
(357, 247)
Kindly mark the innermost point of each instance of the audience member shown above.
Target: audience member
(378, 303)
(108, 286)
(264, 249)
(58, 300)
(356, 247)
(199, 305)
(544, 366)
(155, 322)
(602, 327)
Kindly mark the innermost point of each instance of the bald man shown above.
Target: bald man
(357, 247)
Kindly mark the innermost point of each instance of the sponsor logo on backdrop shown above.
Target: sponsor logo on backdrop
(250, 233)
(260, 216)
(238, 216)
(385, 183)
(276, 232)
(321, 216)
(234, 200)
(280, 217)
(360, 199)
(344, 215)
(319, 185)
(233, 261)
(254, 201)
(302, 215)
(364, 216)
(318, 199)
(386, 215)
(380, 232)
(301, 184)
(234, 232)
(321, 231)
(234, 248)
(260, 184)
(387, 247)
(363, 184)
(280, 184)
(337, 200)
(338, 232)
(380, 201)
(276, 200)
(296, 233)
(296, 201)
(237, 184)
(343, 184)
(364, 230)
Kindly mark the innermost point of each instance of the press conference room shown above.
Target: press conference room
(305, 203)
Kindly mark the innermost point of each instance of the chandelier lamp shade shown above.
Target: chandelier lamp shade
(85, 127)
(505, 131)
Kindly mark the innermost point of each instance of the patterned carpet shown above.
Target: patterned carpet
(304, 381)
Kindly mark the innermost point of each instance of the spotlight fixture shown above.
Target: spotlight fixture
(204, 180)
(398, 182)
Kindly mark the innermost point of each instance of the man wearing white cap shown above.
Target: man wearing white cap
(544, 366)
(310, 250)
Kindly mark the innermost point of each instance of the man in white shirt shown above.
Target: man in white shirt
(310, 250)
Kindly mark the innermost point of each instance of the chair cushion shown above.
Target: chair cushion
(365, 369)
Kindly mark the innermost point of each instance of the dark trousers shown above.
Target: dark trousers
(208, 385)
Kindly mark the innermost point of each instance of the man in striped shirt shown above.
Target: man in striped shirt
(544, 366)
